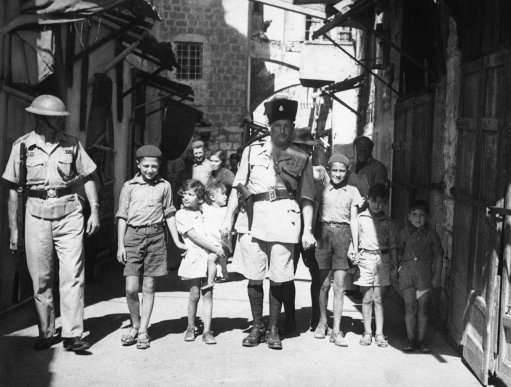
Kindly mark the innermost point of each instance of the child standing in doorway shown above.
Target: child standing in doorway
(145, 205)
(376, 260)
(420, 267)
(200, 254)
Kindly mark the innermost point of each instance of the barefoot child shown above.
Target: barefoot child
(338, 215)
(376, 260)
(200, 254)
(145, 205)
(420, 267)
(214, 212)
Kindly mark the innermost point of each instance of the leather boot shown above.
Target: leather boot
(273, 338)
(255, 337)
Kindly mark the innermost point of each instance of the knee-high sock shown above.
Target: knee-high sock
(288, 298)
(256, 297)
(275, 304)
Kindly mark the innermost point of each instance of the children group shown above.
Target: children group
(353, 234)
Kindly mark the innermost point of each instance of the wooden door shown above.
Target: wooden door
(411, 167)
(473, 279)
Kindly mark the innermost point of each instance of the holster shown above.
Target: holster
(246, 201)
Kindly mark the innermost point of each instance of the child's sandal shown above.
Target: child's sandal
(320, 332)
(129, 338)
(143, 340)
(366, 339)
(381, 341)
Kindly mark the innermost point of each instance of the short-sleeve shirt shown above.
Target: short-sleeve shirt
(419, 244)
(187, 220)
(337, 203)
(376, 231)
(143, 203)
(274, 221)
(61, 164)
(213, 219)
(373, 172)
(202, 171)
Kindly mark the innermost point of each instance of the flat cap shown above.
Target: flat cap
(280, 109)
(148, 151)
(338, 158)
(197, 144)
(364, 141)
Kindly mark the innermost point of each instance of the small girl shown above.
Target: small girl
(376, 260)
(214, 212)
(338, 217)
(200, 253)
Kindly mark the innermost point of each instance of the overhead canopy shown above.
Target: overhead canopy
(35, 12)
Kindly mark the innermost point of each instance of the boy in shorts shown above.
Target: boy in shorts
(145, 208)
(376, 260)
(420, 268)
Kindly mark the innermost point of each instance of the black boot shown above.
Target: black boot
(273, 338)
(257, 333)
(288, 298)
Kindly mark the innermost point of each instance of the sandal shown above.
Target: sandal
(338, 339)
(366, 339)
(129, 338)
(320, 332)
(143, 340)
(381, 341)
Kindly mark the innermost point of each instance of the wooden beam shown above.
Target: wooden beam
(287, 6)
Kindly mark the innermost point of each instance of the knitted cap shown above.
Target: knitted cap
(197, 144)
(148, 151)
(338, 158)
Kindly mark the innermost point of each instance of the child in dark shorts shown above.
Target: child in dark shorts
(338, 227)
(145, 208)
(420, 267)
(201, 253)
(376, 260)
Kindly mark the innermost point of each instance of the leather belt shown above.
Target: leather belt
(271, 196)
(335, 224)
(49, 193)
(154, 225)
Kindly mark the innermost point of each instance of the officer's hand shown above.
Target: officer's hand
(13, 241)
(121, 255)
(219, 252)
(308, 240)
(92, 224)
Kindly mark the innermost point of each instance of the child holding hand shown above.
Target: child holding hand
(200, 254)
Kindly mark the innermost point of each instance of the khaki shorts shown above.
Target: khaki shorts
(255, 258)
(374, 270)
(146, 251)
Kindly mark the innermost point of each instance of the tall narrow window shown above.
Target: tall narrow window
(189, 59)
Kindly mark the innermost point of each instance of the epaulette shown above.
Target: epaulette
(21, 139)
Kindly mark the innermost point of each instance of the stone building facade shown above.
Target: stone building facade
(210, 42)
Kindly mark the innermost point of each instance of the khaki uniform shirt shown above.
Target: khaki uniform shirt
(376, 232)
(62, 164)
(373, 172)
(280, 220)
(142, 203)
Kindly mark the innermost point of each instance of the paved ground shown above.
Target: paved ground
(304, 361)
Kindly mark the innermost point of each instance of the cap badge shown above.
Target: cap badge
(281, 108)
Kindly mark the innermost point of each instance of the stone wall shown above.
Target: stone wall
(221, 25)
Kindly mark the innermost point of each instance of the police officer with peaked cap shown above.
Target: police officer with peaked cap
(57, 169)
(278, 177)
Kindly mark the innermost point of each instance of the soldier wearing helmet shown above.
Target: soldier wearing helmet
(57, 168)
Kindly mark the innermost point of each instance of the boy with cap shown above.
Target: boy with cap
(278, 178)
(145, 206)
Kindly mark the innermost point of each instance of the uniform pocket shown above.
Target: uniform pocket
(65, 167)
(36, 169)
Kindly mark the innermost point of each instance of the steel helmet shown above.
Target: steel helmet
(47, 105)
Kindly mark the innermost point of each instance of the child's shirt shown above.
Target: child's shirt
(419, 244)
(213, 219)
(187, 220)
(376, 231)
(337, 203)
(143, 203)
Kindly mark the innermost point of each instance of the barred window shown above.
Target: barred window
(189, 59)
